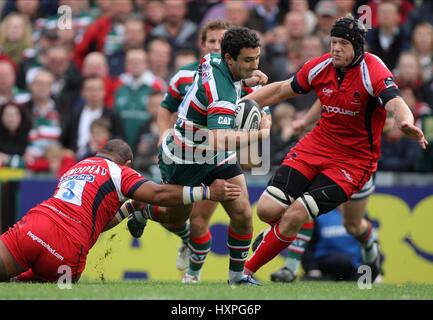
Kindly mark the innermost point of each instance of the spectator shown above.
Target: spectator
(132, 97)
(176, 29)
(399, 153)
(67, 78)
(388, 40)
(59, 159)
(32, 9)
(345, 7)
(326, 12)
(184, 57)
(36, 57)
(418, 108)
(8, 91)
(310, 47)
(66, 39)
(105, 35)
(146, 153)
(426, 92)
(422, 13)
(95, 65)
(197, 9)
(46, 128)
(14, 130)
(40, 84)
(99, 135)
(159, 58)
(81, 19)
(408, 73)
(301, 7)
(284, 67)
(424, 162)
(101, 8)
(405, 7)
(135, 36)
(282, 135)
(265, 16)
(77, 132)
(422, 47)
(153, 13)
(236, 12)
(290, 34)
(15, 36)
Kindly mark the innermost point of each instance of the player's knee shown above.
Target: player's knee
(241, 216)
(243, 211)
(263, 212)
(273, 203)
(268, 210)
(322, 200)
(310, 204)
(198, 225)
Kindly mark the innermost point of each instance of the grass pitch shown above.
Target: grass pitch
(157, 290)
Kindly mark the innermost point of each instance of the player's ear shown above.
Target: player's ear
(228, 57)
(128, 163)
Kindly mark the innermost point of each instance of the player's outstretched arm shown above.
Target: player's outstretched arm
(174, 195)
(273, 93)
(404, 119)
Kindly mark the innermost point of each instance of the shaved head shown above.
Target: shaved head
(119, 150)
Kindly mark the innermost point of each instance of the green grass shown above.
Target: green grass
(156, 290)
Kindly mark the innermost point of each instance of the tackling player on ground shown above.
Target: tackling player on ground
(61, 230)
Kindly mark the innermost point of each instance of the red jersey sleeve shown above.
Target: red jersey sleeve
(302, 79)
(131, 181)
(382, 81)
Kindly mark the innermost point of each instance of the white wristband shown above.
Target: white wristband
(192, 194)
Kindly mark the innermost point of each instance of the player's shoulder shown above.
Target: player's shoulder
(193, 66)
(374, 61)
(212, 60)
(186, 71)
(320, 61)
(213, 67)
(91, 161)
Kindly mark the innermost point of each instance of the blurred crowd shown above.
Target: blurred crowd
(65, 89)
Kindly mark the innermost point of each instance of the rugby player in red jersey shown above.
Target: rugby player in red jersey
(340, 154)
(61, 230)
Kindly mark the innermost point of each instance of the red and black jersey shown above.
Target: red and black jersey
(353, 113)
(88, 196)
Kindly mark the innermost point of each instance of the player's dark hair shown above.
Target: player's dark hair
(119, 149)
(237, 38)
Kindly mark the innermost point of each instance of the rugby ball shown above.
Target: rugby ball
(248, 115)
